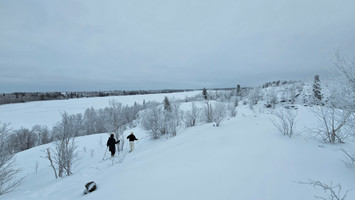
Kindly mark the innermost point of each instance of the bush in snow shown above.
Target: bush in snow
(219, 113)
(254, 96)
(231, 109)
(191, 116)
(8, 172)
(271, 98)
(285, 121)
(215, 113)
(333, 192)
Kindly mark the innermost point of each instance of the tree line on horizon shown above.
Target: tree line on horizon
(23, 97)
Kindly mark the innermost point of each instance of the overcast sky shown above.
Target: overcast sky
(71, 45)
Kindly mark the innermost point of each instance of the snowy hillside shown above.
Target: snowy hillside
(245, 158)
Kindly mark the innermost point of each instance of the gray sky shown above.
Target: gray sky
(70, 45)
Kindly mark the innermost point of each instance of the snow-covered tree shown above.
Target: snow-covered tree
(254, 96)
(167, 105)
(116, 118)
(8, 170)
(332, 123)
(204, 93)
(191, 116)
(271, 97)
(336, 118)
(151, 120)
(231, 109)
(24, 139)
(345, 82)
(42, 133)
(219, 113)
(90, 117)
(64, 154)
(238, 90)
(317, 89)
(208, 112)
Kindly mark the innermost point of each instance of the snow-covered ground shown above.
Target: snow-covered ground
(49, 112)
(245, 158)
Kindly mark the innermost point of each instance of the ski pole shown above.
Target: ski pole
(105, 153)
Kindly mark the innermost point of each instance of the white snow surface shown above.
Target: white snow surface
(48, 113)
(245, 158)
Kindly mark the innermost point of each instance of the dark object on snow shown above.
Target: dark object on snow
(90, 186)
(111, 144)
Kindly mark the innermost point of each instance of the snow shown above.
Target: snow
(245, 158)
(49, 112)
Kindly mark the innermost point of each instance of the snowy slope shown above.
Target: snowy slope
(245, 158)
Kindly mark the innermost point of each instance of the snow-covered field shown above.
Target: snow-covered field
(245, 158)
(49, 112)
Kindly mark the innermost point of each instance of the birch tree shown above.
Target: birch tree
(8, 171)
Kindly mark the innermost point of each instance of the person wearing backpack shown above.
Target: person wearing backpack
(111, 143)
(131, 139)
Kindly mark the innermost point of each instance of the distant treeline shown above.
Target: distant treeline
(22, 97)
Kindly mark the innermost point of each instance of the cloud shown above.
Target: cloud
(81, 45)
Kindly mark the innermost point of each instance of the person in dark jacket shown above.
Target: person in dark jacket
(111, 144)
(131, 139)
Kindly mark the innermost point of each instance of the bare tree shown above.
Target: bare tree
(350, 158)
(119, 135)
(336, 118)
(8, 171)
(208, 112)
(42, 133)
(332, 123)
(90, 117)
(48, 156)
(286, 121)
(64, 154)
(24, 139)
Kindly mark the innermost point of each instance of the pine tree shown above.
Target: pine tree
(317, 89)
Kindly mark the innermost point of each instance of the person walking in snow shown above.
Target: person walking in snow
(131, 139)
(111, 144)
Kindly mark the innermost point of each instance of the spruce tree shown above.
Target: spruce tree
(167, 105)
(204, 93)
(238, 89)
(317, 89)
